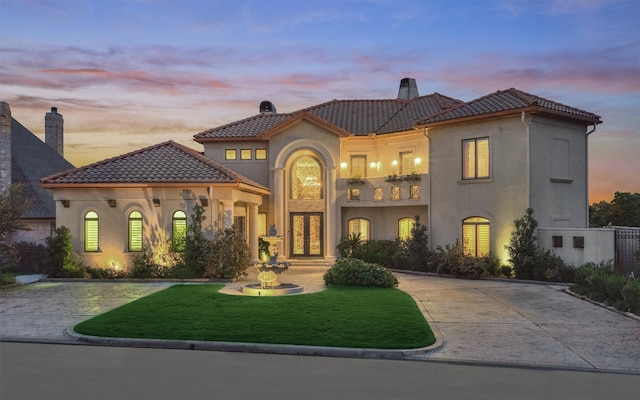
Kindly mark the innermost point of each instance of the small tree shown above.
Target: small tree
(227, 256)
(58, 259)
(522, 246)
(418, 252)
(196, 244)
(348, 245)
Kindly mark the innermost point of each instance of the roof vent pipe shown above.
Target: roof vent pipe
(267, 107)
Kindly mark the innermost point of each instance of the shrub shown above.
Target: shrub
(348, 245)
(451, 259)
(144, 267)
(349, 271)
(59, 262)
(601, 283)
(418, 251)
(227, 256)
(631, 295)
(388, 253)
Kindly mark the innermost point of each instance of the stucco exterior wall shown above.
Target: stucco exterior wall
(383, 220)
(558, 173)
(502, 198)
(157, 219)
(599, 244)
(258, 170)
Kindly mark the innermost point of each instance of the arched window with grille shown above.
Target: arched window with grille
(179, 230)
(135, 231)
(475, 236)
(91, 232)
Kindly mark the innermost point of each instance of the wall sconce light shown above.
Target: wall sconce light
(343, 165)
(156, 202)
(112, 202)
(204, 201)
(372, 164)
(65, 203)
(417, 161)
(394, 163)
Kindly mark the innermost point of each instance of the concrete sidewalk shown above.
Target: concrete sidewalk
(493, 322)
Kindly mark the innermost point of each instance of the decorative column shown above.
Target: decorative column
(333, 219)
(278, 199)
(253, 232)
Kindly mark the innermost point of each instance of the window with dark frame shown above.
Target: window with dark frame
(231, 154)
(475, 158)
(578, 242)
(557, 241)
(245, 154)
(261, 154)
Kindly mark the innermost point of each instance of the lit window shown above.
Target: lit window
(231, 154)
(245, 154)
(414, 192)
(361, 226)
(358, 166)
(377, 194)
(475, 158)
(395, 193)
(306, 178)
(135, 231)
(406, 163)
(475, 236)
(262, 224)
(91, 232)
(261, 154)
(405, 228)
(179, 230)
(353, 195)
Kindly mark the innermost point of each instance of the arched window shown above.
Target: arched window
(475, 236)
(405, 228)
(306, 178)
(91, 232)
(361, 226)
(135, 231)
(179, 230)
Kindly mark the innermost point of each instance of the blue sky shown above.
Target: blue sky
(128, 74)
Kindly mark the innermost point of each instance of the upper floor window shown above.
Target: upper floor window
(135, 231)
(261, 154)
(406, 163)
(475, 158)
(353, 194)
(475, 236)
(91, 232)
(405, 228)
(231, 154)
(245, 154)
(358, 166)
(377, 194)
(179, 230)
(306, 178)
(359, 226)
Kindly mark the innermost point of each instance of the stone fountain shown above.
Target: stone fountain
(270, 270)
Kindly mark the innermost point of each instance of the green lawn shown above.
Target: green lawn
(338, 317)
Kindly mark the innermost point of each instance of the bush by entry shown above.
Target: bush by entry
(359, 317)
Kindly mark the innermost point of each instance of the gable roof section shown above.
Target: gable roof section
(31, 160)
(164, 164)
(509, 101)
(354, 117)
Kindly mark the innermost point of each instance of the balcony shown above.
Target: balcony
(384, 191)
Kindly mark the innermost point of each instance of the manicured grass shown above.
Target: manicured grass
(340, 316)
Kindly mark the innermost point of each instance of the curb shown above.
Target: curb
(603, 305)
(242, 347)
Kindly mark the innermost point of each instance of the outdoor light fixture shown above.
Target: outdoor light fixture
(343, 165)
(372, 164)
(65, 203)
(417, 161)
(112, 202)
(156, 202)
(204, 201)
(394, 163)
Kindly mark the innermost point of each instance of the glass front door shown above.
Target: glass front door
(306, 234)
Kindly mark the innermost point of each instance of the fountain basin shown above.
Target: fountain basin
(256, 289)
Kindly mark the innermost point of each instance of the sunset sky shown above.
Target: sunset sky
(131, 73)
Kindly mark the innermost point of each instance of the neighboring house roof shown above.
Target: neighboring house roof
(509, 101)
(31, 160)
(356, 117)
(163, 164)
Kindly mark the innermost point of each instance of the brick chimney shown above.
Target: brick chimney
(5, 147)
(54, 130)
(408, 89)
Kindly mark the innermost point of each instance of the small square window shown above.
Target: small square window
(245, 154)
(353, 195)
(231, 154)
(377, 194)
(578, 242)
(395, 193)
(557, 241)
(261, 154)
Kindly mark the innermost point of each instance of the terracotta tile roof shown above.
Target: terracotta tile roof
(509, 100)
(358, 117)
(163, 163)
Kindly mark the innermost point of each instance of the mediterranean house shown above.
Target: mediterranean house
(466, 169)
(24, 160)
